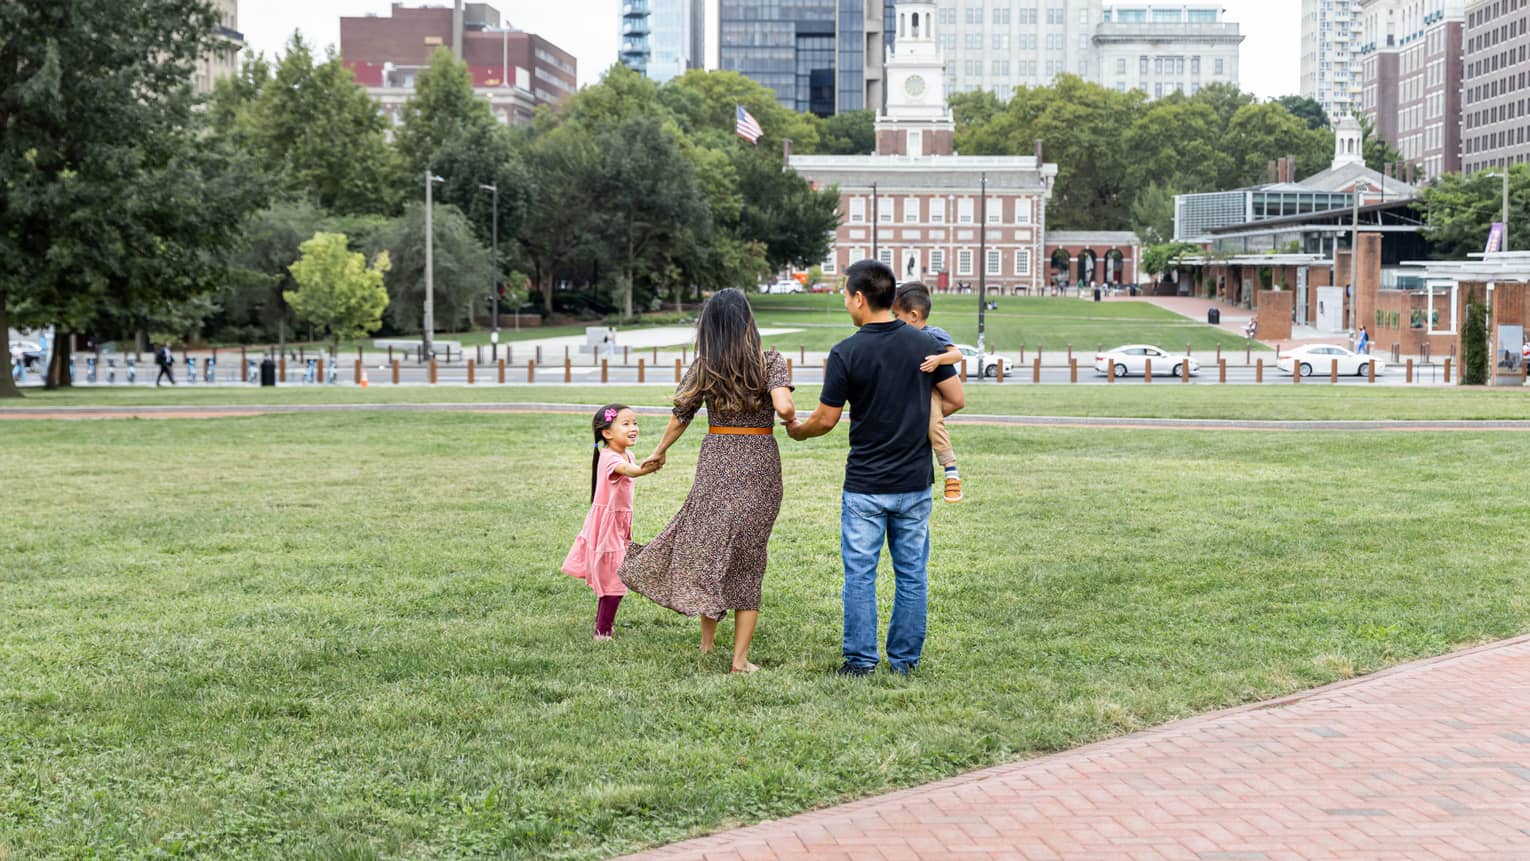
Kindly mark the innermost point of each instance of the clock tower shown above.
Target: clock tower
(915, 121)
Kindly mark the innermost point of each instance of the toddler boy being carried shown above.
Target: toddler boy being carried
(912, 306)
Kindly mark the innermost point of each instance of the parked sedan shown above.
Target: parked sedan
(1133, 358)
(1319, 359)
(785, 285)
(989, 363)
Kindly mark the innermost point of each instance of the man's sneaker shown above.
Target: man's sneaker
(953, 490)
(853, 671)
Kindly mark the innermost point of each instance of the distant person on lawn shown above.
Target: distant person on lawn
(164, 357)
(887, 475)
(711, 557)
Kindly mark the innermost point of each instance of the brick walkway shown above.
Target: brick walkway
(1426, 760)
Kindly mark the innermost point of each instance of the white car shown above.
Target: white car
(1132, 359)
(989, 363)
(785, 285)
(1319, 359)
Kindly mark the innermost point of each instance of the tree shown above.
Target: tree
(250, 307)
(1261, 133)
(1177, 142)
(1159, 259)
(461, 274)
(848, 133)
(443, 108)
(1475, 360)
(115, 205)
(1305, 109)
(485, 155)
(337, 291)
(315, 132)
(1153, 214)
(1462, 209)
(795, 223)
(1378, 152)
(717, 95)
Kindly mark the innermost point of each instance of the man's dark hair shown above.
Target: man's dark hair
(873, 280)
(914, 296)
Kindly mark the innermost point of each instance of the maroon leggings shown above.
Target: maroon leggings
(605, 614)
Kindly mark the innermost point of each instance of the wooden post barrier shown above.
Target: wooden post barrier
(1259, 371)
(432, 372)
(1221, 370)
(1073, 370)
(962, 373)
(1333, 371)
(539, 354)
(656, 355)
(568, 369)
(1184, 370)
(1370, 372)
(531, 371)
(395, 372)
(1246, 354)
(802, 353)
(605, 371)
(1147, 370)
(1447, 370)
(477, 353)
(1022, 354)
(624, 354)
(502, 372)
(642, 369)
(1296, 368)
(1110, 370)
(677, 370)
(788, 371)
(358, 372)
(281, 369)
(1187, 349)
(1000, 377)
(1036, 369)
(1409, 378)
(318, 368)
(472, 371)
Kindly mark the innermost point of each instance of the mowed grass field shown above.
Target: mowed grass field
(1128, 399)
(345, 635)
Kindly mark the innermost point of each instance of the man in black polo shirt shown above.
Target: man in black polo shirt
(888, 474)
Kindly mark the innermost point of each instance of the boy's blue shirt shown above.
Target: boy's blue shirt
(940, 336)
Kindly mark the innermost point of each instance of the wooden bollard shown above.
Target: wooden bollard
(962, 373)
(605, 371)
(1296, 368)
(358, 372)
(1147, 370)
(1184, 370)
(472, 371)
(568, 370)
(656, 355)
(802, 353)
(531, 371)
(1370, 372)
(1000, 377)
(642, 369)
(788, 371)
(539, 354)
(677, 370)
(477, 353)
(1333, 371)
(1110, 370)
(1409, 378)
(1246, 354)
(1447, 370)
(318, 368)
(1036, 369)
(432, 372)
(1022, 354)
(624, 354)
(1073, 370)
(281, 369)
(502, 372)
(1221, 370)
(1187, 349)
(1259, 370)
(395, 372)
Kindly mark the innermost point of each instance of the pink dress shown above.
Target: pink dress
(602, 543)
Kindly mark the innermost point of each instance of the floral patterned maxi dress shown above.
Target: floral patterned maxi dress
(711, 557)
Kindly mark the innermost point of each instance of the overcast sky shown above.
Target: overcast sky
(588, 30)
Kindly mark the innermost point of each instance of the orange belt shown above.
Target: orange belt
(740, 431)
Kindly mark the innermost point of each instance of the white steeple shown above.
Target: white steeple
(915, 121)
(1348, 142)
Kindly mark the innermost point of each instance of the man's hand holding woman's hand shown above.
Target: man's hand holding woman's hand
(794, 429)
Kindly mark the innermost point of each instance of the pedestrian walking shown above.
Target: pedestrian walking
(164, 357)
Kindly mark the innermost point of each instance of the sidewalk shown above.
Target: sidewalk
(1425, 760)
(1234, 319)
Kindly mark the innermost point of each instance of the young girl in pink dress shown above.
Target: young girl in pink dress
(602, 543)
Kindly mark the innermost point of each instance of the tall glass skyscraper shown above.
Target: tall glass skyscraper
(663, 38)
(820, 56)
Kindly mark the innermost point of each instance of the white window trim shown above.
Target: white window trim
(995, 262)
(964, 261)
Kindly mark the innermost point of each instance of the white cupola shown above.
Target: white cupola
(1348, 142)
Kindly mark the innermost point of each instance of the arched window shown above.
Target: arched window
(916, 25)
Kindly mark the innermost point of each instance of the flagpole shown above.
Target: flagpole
(875, 218)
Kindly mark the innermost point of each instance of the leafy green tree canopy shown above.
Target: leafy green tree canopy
(337, 291)
(442, 109)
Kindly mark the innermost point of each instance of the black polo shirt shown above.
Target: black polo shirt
(877, 371)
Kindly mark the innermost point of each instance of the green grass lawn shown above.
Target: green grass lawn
(1274, 400)
(345, 635)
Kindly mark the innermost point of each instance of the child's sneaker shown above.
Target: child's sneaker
(953, 490)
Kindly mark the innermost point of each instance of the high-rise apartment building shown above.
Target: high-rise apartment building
(663, 38)
(222, 61)
(1495, 84)
(1330, 73)
(1000, 46)
(1165, 48)
(1409, 61)
(820, 56)
(513, 71)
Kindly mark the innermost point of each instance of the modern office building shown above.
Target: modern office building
(1495, 84)
(1330, 73)
(1163, 48)
(223, 61)
(1409, 60)
(663, 38)
(820, 56)
(1000, 46)
(513, 70)
(916, 205)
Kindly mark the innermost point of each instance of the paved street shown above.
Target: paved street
(1427, 760)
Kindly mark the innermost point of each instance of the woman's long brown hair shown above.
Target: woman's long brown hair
(730, 366)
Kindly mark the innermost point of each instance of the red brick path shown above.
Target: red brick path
(1426, 760)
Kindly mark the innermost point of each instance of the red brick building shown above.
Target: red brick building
(513, 70)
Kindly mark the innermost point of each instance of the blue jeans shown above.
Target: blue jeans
(903, 520)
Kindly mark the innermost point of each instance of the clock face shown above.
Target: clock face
(914, 86)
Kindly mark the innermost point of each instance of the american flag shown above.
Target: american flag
(746, 125)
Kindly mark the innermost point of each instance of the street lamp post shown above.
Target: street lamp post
(430, 264)
(494, 273)
(1503, 244)
(982, 267)
(876, 216)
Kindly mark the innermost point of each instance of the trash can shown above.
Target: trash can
(1214, 316)
(268, 372)
(1096, 294)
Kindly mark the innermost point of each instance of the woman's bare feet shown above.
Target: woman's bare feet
(746, 668)
(708, 634)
